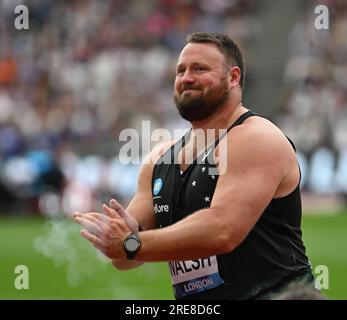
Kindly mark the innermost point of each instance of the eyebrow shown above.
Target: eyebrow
(193, 64)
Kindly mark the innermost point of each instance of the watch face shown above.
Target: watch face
(132, 244)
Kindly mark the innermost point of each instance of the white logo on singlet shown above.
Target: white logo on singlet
(205, 155)
(161, 208)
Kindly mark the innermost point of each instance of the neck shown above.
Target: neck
(223, 118)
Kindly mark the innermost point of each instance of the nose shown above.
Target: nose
(187, 78)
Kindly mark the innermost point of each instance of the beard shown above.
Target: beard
(197, 105)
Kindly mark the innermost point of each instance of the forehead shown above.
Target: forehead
(201, 53)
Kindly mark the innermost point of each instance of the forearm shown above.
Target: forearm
(142, 212)
(201, 234)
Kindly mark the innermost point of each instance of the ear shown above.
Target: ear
(235, 76)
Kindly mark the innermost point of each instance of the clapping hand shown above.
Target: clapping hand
(107, 231)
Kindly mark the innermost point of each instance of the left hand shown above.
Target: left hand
(105, 232)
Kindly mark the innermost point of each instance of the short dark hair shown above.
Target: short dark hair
(226, 46)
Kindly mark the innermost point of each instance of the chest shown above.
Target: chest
(177, 195)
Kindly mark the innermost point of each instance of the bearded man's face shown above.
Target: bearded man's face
(201, 85)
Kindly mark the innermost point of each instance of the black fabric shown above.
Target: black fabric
(271, 252)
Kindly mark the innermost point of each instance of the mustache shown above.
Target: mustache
(188, 87)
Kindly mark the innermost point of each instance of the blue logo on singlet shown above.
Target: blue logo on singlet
(158, 183)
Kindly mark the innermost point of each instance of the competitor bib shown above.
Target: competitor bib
(193, 276)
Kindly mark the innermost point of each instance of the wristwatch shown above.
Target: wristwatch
(131, 245)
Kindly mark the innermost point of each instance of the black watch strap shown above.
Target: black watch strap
(131, 245)
(131, 255)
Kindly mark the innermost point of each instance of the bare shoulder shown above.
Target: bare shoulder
(259, 133)
(151, 159)
(258, 143)
(157, 152)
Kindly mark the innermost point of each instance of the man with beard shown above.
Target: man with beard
(229, 229)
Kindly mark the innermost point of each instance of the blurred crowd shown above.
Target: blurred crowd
(84, 71)
(315, 96)
(87, 69)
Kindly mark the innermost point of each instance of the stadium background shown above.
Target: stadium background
(87, 69)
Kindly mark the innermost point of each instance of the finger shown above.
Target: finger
(100, 229)
(131, 221)
(88, 214)
(115, 205)
(110, 212)
(101, 217)
(113, 209)
(92, 238)
(100, 220)
(89, 225)
(77, 214)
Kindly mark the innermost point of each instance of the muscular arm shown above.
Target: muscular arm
(259, 165)
(141, 206)
(257, 162)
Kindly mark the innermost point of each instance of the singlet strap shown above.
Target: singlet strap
(176, 147)
(239, 121)
(292, 143)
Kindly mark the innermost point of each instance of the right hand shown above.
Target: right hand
(128, 218)
(125, 264)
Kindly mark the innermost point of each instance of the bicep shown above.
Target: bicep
(247, 187)
(141, 206)
(243, 198)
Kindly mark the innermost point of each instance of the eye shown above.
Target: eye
(179, 72)
(199, 68)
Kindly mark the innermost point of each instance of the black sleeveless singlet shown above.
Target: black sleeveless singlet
(272, 252)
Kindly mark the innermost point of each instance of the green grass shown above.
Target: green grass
(71, 273)
(325, 238)
(62, 265)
